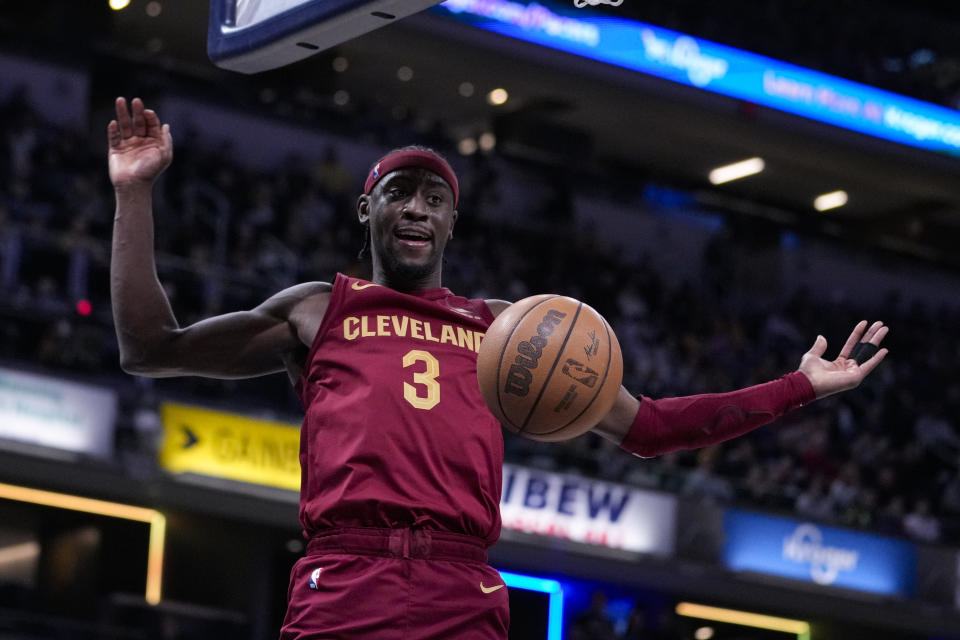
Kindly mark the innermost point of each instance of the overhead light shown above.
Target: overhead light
(404, 74)
(830, 200)
(467, 146)
(19, 552)
(465, 89)
(153, 9)
(118, 5)
(487, 141)
(294, 546)
(737, 170)
(703, 633)
(497, 96)
(340, 64)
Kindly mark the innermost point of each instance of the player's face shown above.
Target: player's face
(411, 218)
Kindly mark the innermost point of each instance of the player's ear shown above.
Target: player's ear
(363, 208)
(453, 223)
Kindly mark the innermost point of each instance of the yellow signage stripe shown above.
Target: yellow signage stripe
(156, 520)
(158, 533)
(76, 503)
(745, 618)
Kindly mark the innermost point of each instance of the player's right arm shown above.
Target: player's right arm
(236, 345)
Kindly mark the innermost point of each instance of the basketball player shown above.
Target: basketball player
(401, 460)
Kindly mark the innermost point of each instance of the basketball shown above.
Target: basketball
(549, 368)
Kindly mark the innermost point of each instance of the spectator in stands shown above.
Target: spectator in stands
(920, 524)
(861, 513)
(935, 432)
(890, 516)
(638, 625)
(704, 483)
(594, 623)
(844, 488)
(814, 503)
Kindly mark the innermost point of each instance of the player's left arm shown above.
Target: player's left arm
(648, 428)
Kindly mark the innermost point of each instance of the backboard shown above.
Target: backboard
(250, 36)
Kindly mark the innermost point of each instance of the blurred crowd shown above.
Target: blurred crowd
(885, 457)
(642, 621)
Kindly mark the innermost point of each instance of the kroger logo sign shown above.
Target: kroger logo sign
(805, 546)
(828, 556)
(683, 53)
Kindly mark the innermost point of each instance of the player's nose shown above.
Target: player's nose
(415, 208)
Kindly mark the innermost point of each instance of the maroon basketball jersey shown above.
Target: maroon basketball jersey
(396, 431)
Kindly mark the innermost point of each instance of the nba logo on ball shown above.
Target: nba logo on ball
(314, 577)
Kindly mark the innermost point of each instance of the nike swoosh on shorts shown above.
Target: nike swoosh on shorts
(490, 589)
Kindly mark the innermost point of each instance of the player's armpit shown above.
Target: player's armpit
(497, 306)
(616, 424)
(243, 344)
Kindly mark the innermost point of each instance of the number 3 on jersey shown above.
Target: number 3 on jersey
(427, 378)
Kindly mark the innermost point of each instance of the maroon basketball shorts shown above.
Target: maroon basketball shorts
(395, 584)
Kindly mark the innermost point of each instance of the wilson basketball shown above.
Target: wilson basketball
(549, 367)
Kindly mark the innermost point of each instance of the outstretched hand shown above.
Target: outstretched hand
(140, 147)
(843, 373)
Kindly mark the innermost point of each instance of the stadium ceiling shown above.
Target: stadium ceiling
(899, 197)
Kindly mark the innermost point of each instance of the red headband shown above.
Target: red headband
(413, 158)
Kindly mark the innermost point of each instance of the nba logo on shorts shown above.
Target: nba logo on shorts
(313, 578)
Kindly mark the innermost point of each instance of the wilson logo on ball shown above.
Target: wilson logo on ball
(521, 373)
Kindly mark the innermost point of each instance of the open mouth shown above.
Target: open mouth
(412, 237)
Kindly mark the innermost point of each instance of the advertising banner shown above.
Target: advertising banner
(717, 68)
(820, 554)
(225, 445)
(56, 413)
(587, 510)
